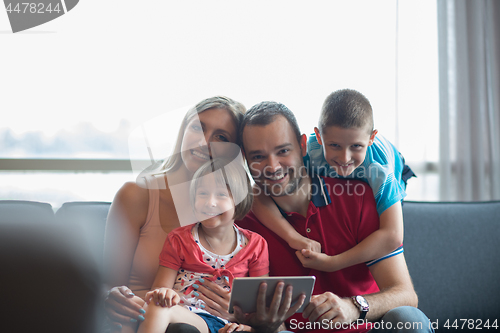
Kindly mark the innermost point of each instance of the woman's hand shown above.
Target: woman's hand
(122, 306)
(216, 299)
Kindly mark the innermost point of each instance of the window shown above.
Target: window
(74, 89)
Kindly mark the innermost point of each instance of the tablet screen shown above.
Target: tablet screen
(245, 289)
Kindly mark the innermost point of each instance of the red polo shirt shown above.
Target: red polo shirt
(341, 214)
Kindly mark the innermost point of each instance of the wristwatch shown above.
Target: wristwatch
(362, 305)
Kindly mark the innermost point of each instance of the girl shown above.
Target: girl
(212, 249)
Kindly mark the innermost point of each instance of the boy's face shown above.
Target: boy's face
(214, 205)
(345, 148)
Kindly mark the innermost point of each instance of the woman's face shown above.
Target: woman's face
(212, 133)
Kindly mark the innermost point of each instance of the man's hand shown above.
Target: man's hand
(331, 307)
(300, 242)
(318, 261)
(270, 319)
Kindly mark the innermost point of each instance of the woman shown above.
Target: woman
(144, 212)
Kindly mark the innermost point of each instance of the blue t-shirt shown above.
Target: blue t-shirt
(382, 170)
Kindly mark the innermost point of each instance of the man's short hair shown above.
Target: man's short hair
(346, 108)
(264, 113)
(229, 174)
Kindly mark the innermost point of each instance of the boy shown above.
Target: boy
(345, 146)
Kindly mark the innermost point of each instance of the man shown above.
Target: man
(337, 213)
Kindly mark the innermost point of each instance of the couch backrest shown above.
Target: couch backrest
(25, 211)
(452, 252)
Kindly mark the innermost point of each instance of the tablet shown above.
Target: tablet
(245, 289)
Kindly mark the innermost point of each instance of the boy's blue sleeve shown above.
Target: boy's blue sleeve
(383, 169)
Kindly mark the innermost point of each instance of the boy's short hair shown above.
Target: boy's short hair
(346, 108)
(263, 114)
(233, 176)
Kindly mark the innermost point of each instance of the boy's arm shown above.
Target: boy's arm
(383, 241)
(267, 213)
(392, 220)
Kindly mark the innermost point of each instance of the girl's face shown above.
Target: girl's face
(214, 204)
(209, 134)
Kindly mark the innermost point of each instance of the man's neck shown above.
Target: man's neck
(299, 200)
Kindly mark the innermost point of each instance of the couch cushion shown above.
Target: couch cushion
(452, 251)
(90, 218)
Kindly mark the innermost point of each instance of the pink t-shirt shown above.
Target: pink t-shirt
(185, 278)
(182, 253)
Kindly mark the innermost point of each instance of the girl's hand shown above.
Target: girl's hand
(301, 243)
(216, 299)
(122, 306)
(234, 327)
(165, 297)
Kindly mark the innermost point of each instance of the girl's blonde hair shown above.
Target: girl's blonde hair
(230, 174)
(235, 108)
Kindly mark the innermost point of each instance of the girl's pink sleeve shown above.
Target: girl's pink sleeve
(259, 263)
(171, 255)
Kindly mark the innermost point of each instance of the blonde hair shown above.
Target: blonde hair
(235, 108)
(233, 176)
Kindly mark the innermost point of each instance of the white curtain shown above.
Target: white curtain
(469, 80)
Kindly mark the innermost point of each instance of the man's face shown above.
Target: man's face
(274, 157)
